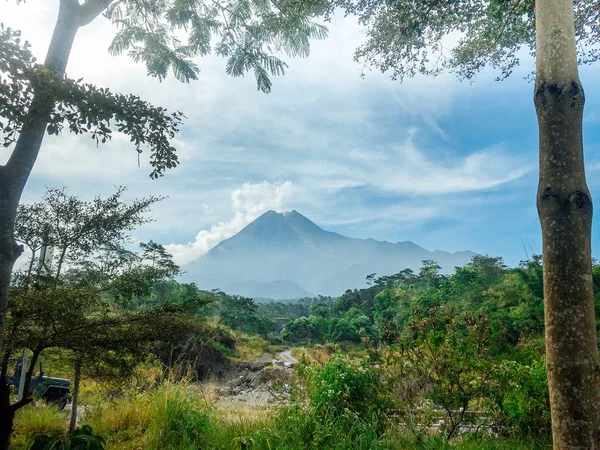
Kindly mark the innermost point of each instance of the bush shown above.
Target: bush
(346, 385)
(338, 405)
(252, 347)
(80, 439)
(521, 395)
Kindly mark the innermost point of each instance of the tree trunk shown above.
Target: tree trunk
(8, 411)
(565, 211)
(9, 249)
(75, 403)
(7, 416)
(15, 173)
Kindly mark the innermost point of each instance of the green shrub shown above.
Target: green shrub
(345, 384)
(339, 405)
(521, 393)
(251, 347)
(79, 439)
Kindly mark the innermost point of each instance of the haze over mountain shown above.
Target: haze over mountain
(285, 255)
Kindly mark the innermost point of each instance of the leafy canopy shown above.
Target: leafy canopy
(165, 36)
(409, 37)
(100, 304)
(249, 33)
(79, 107)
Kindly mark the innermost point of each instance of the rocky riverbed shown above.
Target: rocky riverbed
(262, 382)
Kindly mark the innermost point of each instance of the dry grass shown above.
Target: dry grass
(37, 419)
(236, 413)
(251, 348)
(319, 354)
(208, 390)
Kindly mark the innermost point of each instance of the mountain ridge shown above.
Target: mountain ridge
(283, 255)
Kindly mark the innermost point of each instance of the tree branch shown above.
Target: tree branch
(92, 9)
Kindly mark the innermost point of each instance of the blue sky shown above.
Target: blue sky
(447, 165)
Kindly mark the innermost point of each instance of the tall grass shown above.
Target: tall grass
(32, 421)
(174, 417)
(170, 417)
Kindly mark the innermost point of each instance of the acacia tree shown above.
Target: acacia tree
(71, 303)
(79, 316)
(407, 37)
(35, 98)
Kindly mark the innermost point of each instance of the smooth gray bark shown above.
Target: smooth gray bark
(565, 211)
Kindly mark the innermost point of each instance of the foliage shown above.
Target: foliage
(345, 385)
(247, 33)
(79, 439)
(250, 348)
(80, 231)
(521, 393)
(80, 107)
(236, 311)
(171, 415)
(304, 331)
(408, 38)
(32, 421)
(80, 308)
(73, 300)
(449, 346)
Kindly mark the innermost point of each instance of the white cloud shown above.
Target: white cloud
(409, 168)
(248, 202)
(412, 172)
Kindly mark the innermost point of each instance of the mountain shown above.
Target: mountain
(285, 255)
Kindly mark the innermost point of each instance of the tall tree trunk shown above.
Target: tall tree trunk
(71, 16)
(9, 249)
(565, 211)
(75, 403)
(8, 411)
(7, 416)
(15, 173)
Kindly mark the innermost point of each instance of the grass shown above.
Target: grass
(33, 420)
(172, 417)
(182, 417)
(318, 354)
(250, 348)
